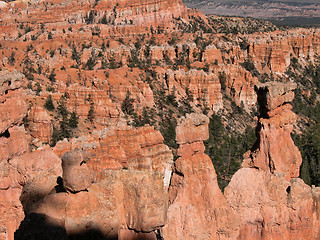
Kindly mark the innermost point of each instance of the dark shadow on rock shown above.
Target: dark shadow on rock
(37, 226)
(90, 235)
(262, 101)
(31, 198)
(59, 188)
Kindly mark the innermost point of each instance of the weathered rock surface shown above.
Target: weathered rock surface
(197, 210)
(123, 200)
(19, 166)
(40, 124)
(271, 207)
(129, 199)
(13, 142)
(11, 209)
(276, 152)
(276, 49)
(12, 110)
(123, 147)
(271, 202)
(76, 174)
(10, 81)
(204, 88)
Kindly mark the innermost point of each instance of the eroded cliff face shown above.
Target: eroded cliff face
(19, 166)
(104, 49)
(118, 17)
(139, 63)
(123, 183)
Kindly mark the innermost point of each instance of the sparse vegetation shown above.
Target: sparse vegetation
(226, 149)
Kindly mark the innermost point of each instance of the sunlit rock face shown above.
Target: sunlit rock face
(267, 195)
(198, 209)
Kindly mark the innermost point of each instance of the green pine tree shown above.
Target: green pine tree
(49, 104)
(91, 110)
(127, 104)
(73, 120)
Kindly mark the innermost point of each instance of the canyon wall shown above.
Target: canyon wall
(126, 62)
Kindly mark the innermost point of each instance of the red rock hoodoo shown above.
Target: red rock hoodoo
(131, 71)
(198, 209)
(267, 195)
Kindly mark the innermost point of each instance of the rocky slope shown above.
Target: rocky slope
(104, 110)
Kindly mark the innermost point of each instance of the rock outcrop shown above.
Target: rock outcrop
(276, 49)
(94, 53)
(204, 88)
(270, 201)
(12, 108)
(124, 204)
(13, 142)
(198, 209)
(122, 147)
(39, 124)
(276, 152)
(76, 174)
(20, 167)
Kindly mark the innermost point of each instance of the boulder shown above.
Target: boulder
(76, 174)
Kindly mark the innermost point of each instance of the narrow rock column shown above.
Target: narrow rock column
(275, 151)
(265, 193)
(198, 209)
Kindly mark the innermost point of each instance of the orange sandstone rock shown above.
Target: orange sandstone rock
(270, 201)
(76, 175)
(276, 151)
(126, 147)
(40, 124)
(197, 210)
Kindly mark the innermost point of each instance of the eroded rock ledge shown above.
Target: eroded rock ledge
(122, 183)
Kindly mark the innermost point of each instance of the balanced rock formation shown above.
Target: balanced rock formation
(126, 203)
(270, 201)
(123, 147)
(275, 151)
(76, 175)
(198, 209)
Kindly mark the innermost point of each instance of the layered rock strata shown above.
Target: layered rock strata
(198, 209)
(20, 167)
(122, 147)
(265, 193)
(276, 152)
(39, 124)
